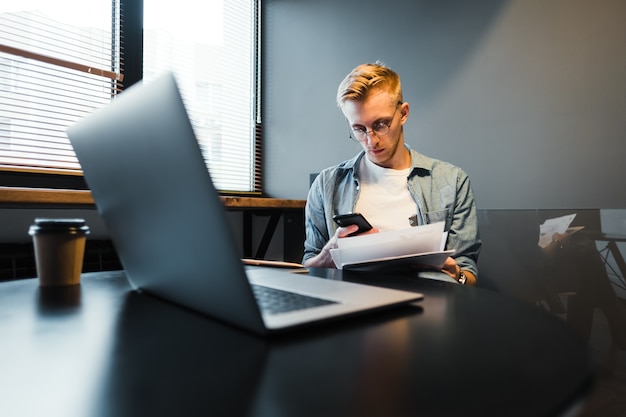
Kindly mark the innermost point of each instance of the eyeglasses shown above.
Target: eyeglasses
(380, 128)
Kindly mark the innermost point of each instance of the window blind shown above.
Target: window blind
(213, 50)
(58, 62)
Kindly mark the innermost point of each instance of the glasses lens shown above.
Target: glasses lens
(358, 134)
(381, 129)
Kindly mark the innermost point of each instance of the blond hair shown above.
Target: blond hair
(366, 78)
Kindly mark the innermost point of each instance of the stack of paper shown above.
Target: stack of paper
(420, 246)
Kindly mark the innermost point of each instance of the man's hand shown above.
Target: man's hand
(451, 269)
(558, 241)
(324, 259)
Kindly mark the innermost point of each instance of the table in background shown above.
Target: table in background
(611, 252)
(101, 349)
(291, 211)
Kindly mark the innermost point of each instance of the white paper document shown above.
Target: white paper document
(420, 246)
(558, 225)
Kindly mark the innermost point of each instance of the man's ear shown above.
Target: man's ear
(404, 111)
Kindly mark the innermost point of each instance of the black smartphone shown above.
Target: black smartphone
(353, 218)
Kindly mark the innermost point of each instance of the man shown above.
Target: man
(388, 182)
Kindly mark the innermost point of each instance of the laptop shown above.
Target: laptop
(152, 188)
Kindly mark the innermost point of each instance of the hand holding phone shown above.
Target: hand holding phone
(348, 219)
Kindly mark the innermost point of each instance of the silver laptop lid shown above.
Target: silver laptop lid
(159, 205)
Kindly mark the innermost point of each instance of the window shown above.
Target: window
(211, 49)
(58, 62)
(61, 60)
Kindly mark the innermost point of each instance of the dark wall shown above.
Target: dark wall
(528, 96)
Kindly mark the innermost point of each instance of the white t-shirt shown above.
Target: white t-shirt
(384, 199)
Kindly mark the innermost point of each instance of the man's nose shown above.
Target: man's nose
(371, 137)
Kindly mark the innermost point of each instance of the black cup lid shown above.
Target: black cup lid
(43, 225)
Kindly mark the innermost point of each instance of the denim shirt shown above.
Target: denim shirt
(433, 184)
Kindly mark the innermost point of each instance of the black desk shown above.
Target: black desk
(101, 349)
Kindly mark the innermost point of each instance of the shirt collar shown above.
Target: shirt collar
(419, 163)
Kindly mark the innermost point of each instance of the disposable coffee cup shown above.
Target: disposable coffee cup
(59, 249)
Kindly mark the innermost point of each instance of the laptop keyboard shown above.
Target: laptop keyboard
(273, 301)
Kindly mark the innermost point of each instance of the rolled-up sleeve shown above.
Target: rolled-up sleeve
(315, 221)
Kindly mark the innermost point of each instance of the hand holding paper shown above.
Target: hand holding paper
(420, 245)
